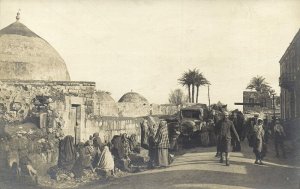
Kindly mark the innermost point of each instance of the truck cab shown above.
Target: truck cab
(190, 119)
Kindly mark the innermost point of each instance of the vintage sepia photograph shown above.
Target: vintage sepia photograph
(150, 94)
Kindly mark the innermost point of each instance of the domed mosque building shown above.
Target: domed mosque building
(27, 56)
(35, 86)
(38, 96)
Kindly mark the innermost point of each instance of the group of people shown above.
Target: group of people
(93, 154)
(259, 135)
(226, 133)
(97, 155)
(156, 140)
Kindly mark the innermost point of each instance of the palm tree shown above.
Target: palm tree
(186, 80)
(259, 84)
(192, 79)
(193, 75)
(200, 80)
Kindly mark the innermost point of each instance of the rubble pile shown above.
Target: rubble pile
(28, 140)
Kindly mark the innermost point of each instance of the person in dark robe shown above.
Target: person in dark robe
(117, 147)
(279, 135)
(162, 144)
(173, 136)
(83, 160)
(212, 134)
(204, 134)
(125, 145)
(218, 117)
(249, 131)
(152, 146)
(120, 150)
(67, 153)
(225, 127)
(98, 145)
(144, 134)
(134, 146)
(236, 145)
(97, 142)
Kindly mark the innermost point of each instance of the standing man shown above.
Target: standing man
(151, 142)
(225, 127)
(258, 132)
(279, 135)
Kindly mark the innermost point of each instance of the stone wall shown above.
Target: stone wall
(128, 109)
(107, 127)
(49, 106)
(72, 108)
(165, 109)
(105, 108)
(27, 101)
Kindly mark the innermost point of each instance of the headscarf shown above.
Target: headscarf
(258, 128)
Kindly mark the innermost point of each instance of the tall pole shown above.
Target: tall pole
(208, 96)
(273, 107)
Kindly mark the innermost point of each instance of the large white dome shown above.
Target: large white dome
(26, 56)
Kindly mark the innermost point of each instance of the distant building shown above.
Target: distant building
(289, 80)
(265, 102)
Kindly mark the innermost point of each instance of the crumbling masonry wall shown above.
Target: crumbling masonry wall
(108, 127)
(46, 105)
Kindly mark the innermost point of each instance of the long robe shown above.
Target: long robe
(106, 161)
(162, 140)
(204, 136)
(258, 138)
(224, 134)
(67, 153)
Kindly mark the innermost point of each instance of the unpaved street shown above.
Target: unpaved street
(198, 168)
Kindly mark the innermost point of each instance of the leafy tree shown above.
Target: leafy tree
(177, 97)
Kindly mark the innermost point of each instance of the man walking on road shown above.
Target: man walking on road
(258, 132)
(224, 128)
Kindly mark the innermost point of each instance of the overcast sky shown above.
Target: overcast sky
(145, 46)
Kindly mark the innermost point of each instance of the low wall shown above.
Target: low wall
(128, 109)
(165, 109)
(110, 126)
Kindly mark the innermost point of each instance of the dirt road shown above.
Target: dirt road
(198, 168)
